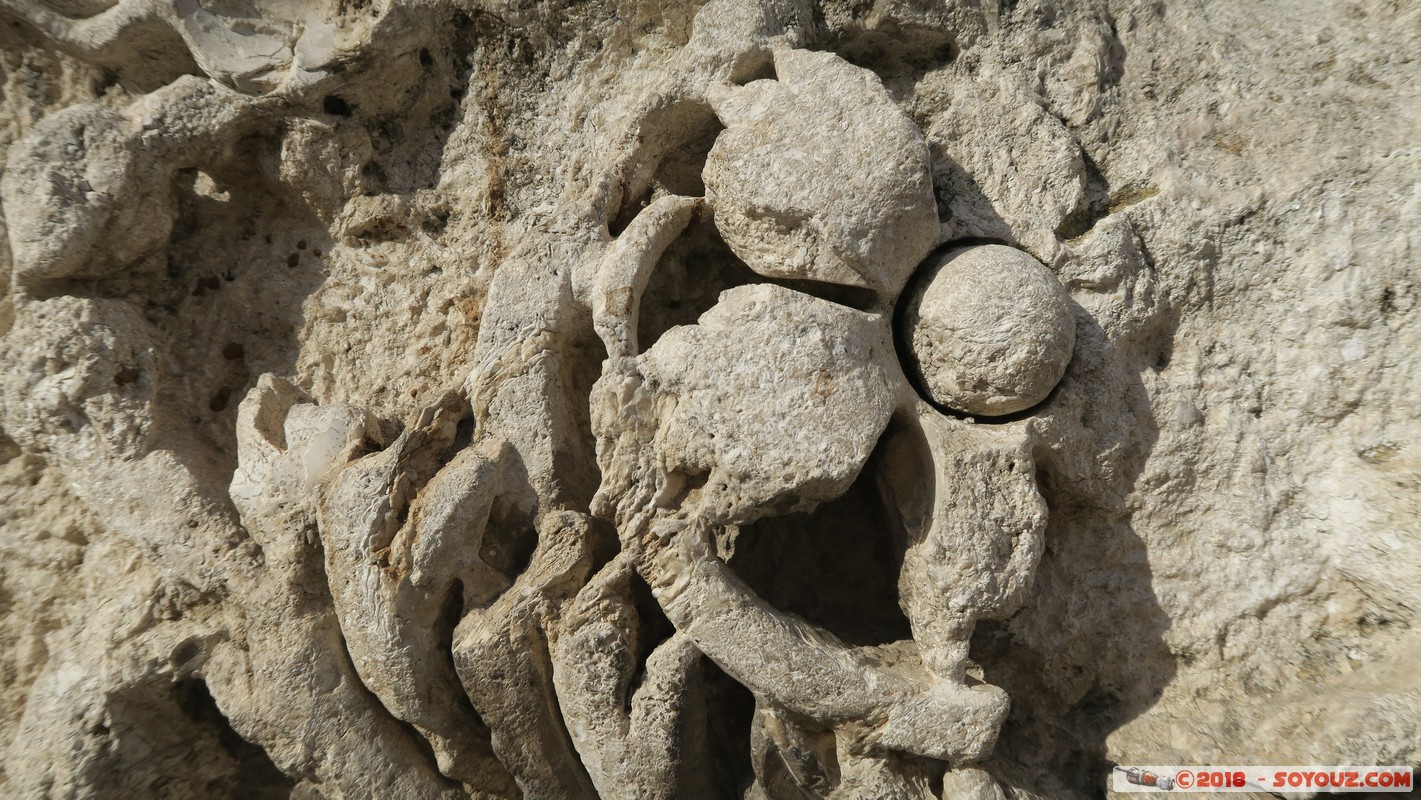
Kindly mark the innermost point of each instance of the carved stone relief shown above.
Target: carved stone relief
(746, 400)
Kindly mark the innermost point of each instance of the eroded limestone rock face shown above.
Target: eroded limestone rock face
(752, 399)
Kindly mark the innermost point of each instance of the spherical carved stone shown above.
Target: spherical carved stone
(990, 330)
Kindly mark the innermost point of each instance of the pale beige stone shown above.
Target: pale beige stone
(820, 176)
(990, 330)
(436, 399)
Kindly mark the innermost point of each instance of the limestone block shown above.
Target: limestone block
(751, 399)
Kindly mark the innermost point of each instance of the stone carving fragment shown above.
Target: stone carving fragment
(772, 403)
(475, 399)
(990, 329)
(820, 176)
(251, 45)
(98, 182)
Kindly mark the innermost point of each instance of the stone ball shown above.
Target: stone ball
(990, 330)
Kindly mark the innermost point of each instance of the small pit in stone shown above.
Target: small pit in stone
(335, 105)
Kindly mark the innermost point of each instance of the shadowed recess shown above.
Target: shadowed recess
(837, 566)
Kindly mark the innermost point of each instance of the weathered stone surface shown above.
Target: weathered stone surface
(818, 175)
(436, 399)
(990, 330)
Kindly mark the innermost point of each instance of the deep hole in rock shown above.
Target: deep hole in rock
(463, 438)
(509, 541)
(580, 365)
(836, 567)
(450, 613)
(730, 709)
(338, 106)
(800, 760)
(449, 616)
(890, 54)
(258, 777)
(653, 629)
(680, 170)
(675, 141)
(630, 206)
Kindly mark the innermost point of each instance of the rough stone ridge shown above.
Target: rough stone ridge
(754, 399)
